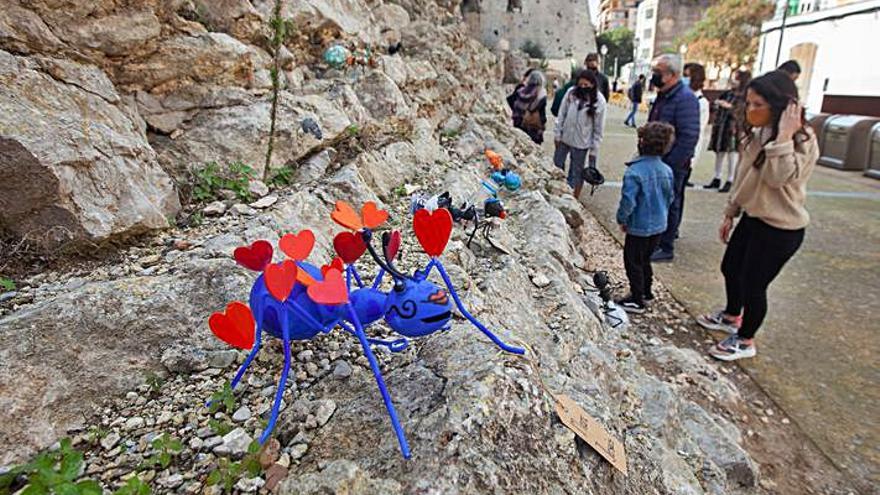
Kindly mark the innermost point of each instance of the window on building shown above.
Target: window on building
(647, 34)
(649, 13)
(646, 53)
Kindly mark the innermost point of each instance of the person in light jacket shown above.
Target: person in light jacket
(578, 129)
(769, 194)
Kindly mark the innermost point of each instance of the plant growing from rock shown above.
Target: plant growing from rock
(223, 398)
(210, 180)
(154, 382)
(228, 473)
(6, 284)
(281, 28)
(134, 486)
(51, 472)
(166, 448)
(219, 427)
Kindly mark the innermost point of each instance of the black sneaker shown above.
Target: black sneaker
(661, 256)
(688, 184)
(630, 305)
(715, 184)
(726, 187)
(649, 298)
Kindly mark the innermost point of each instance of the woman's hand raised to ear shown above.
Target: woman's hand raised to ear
(790, 122)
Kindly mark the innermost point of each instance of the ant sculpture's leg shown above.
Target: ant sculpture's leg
(250, 357)
(247, 362)
(396, 345)
(378, 279)
(374, 365)
(474, 321)
(285, 338)
(357, 276)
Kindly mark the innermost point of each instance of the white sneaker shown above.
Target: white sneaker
(717, 321)
(731, 349)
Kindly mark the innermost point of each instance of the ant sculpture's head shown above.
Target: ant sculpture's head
(415, 306)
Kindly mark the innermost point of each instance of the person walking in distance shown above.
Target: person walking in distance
(695, 78)
(676, 105)
(778, 157)
(578, 130)
(635, 97)
(529, 106)
(725, 133)
(643, 211)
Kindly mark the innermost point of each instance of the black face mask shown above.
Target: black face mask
(582, 93)
(657, 80)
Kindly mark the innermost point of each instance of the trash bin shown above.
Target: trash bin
(845, 141)
(874, 153)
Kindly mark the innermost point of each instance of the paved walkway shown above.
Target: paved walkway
(818, 348)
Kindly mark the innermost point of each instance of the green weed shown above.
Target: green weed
(166, 448)
(210, 180)
(52, 473)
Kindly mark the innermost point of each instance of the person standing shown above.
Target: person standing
(792, 68)
(779, 155)
(676, 105)
(725, 133)
(591, 63)
(635, 97)
(695, 78)
(529, 106)
(644, 207)
(579, 127)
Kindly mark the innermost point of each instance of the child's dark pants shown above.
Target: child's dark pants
(637, 261)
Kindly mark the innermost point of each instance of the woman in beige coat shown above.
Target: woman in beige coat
(769, 193)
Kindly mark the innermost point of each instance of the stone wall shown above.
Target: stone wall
(561, 28)
(674, 18)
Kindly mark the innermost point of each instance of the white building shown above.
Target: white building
(835, 42)
(645, 33)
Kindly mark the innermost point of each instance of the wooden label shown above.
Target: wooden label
(591, 431)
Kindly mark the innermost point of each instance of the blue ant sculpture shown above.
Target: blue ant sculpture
(295, 300)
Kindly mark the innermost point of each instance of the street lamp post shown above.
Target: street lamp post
(604, 51)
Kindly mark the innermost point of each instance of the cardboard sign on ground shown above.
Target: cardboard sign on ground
(591, 431)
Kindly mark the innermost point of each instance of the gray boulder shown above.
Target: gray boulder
(96, 179)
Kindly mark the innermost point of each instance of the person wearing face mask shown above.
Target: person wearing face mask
(724, 141)
(676, 105)
(778, 157)
(528, 104)
(591, 63)
(695, 78)
(579, 126)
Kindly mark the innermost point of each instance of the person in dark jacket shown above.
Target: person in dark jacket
(529, 106)
(791, 68)
(635, 97)
(725, 131)
(676, 105)
(591, 63)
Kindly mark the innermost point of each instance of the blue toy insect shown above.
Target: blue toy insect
(295, 300)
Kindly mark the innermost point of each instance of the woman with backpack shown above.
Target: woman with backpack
(529, 105)
(578, 130)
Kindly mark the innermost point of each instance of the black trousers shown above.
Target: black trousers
(680, 176)
(637, 261)
(754, 256)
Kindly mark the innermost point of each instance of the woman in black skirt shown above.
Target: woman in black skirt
(724, 132)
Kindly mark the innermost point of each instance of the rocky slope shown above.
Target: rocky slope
(75, 347)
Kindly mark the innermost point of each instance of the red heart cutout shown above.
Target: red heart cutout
(372, 215)
(280, 279)
(331, 290)
(297, 246)
(235, 327)
(344, 215)
(254, 257)
(349, 246)
(392, 244)
(433, 230)
(336, 264)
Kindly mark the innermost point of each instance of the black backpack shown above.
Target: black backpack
(594, 178)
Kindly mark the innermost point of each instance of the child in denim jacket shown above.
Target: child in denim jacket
(644, 207)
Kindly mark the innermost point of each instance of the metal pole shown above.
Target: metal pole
(781, 32)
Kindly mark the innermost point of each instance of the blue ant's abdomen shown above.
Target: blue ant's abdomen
(266, 310)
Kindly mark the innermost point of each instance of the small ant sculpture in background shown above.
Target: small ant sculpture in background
(295, 300)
